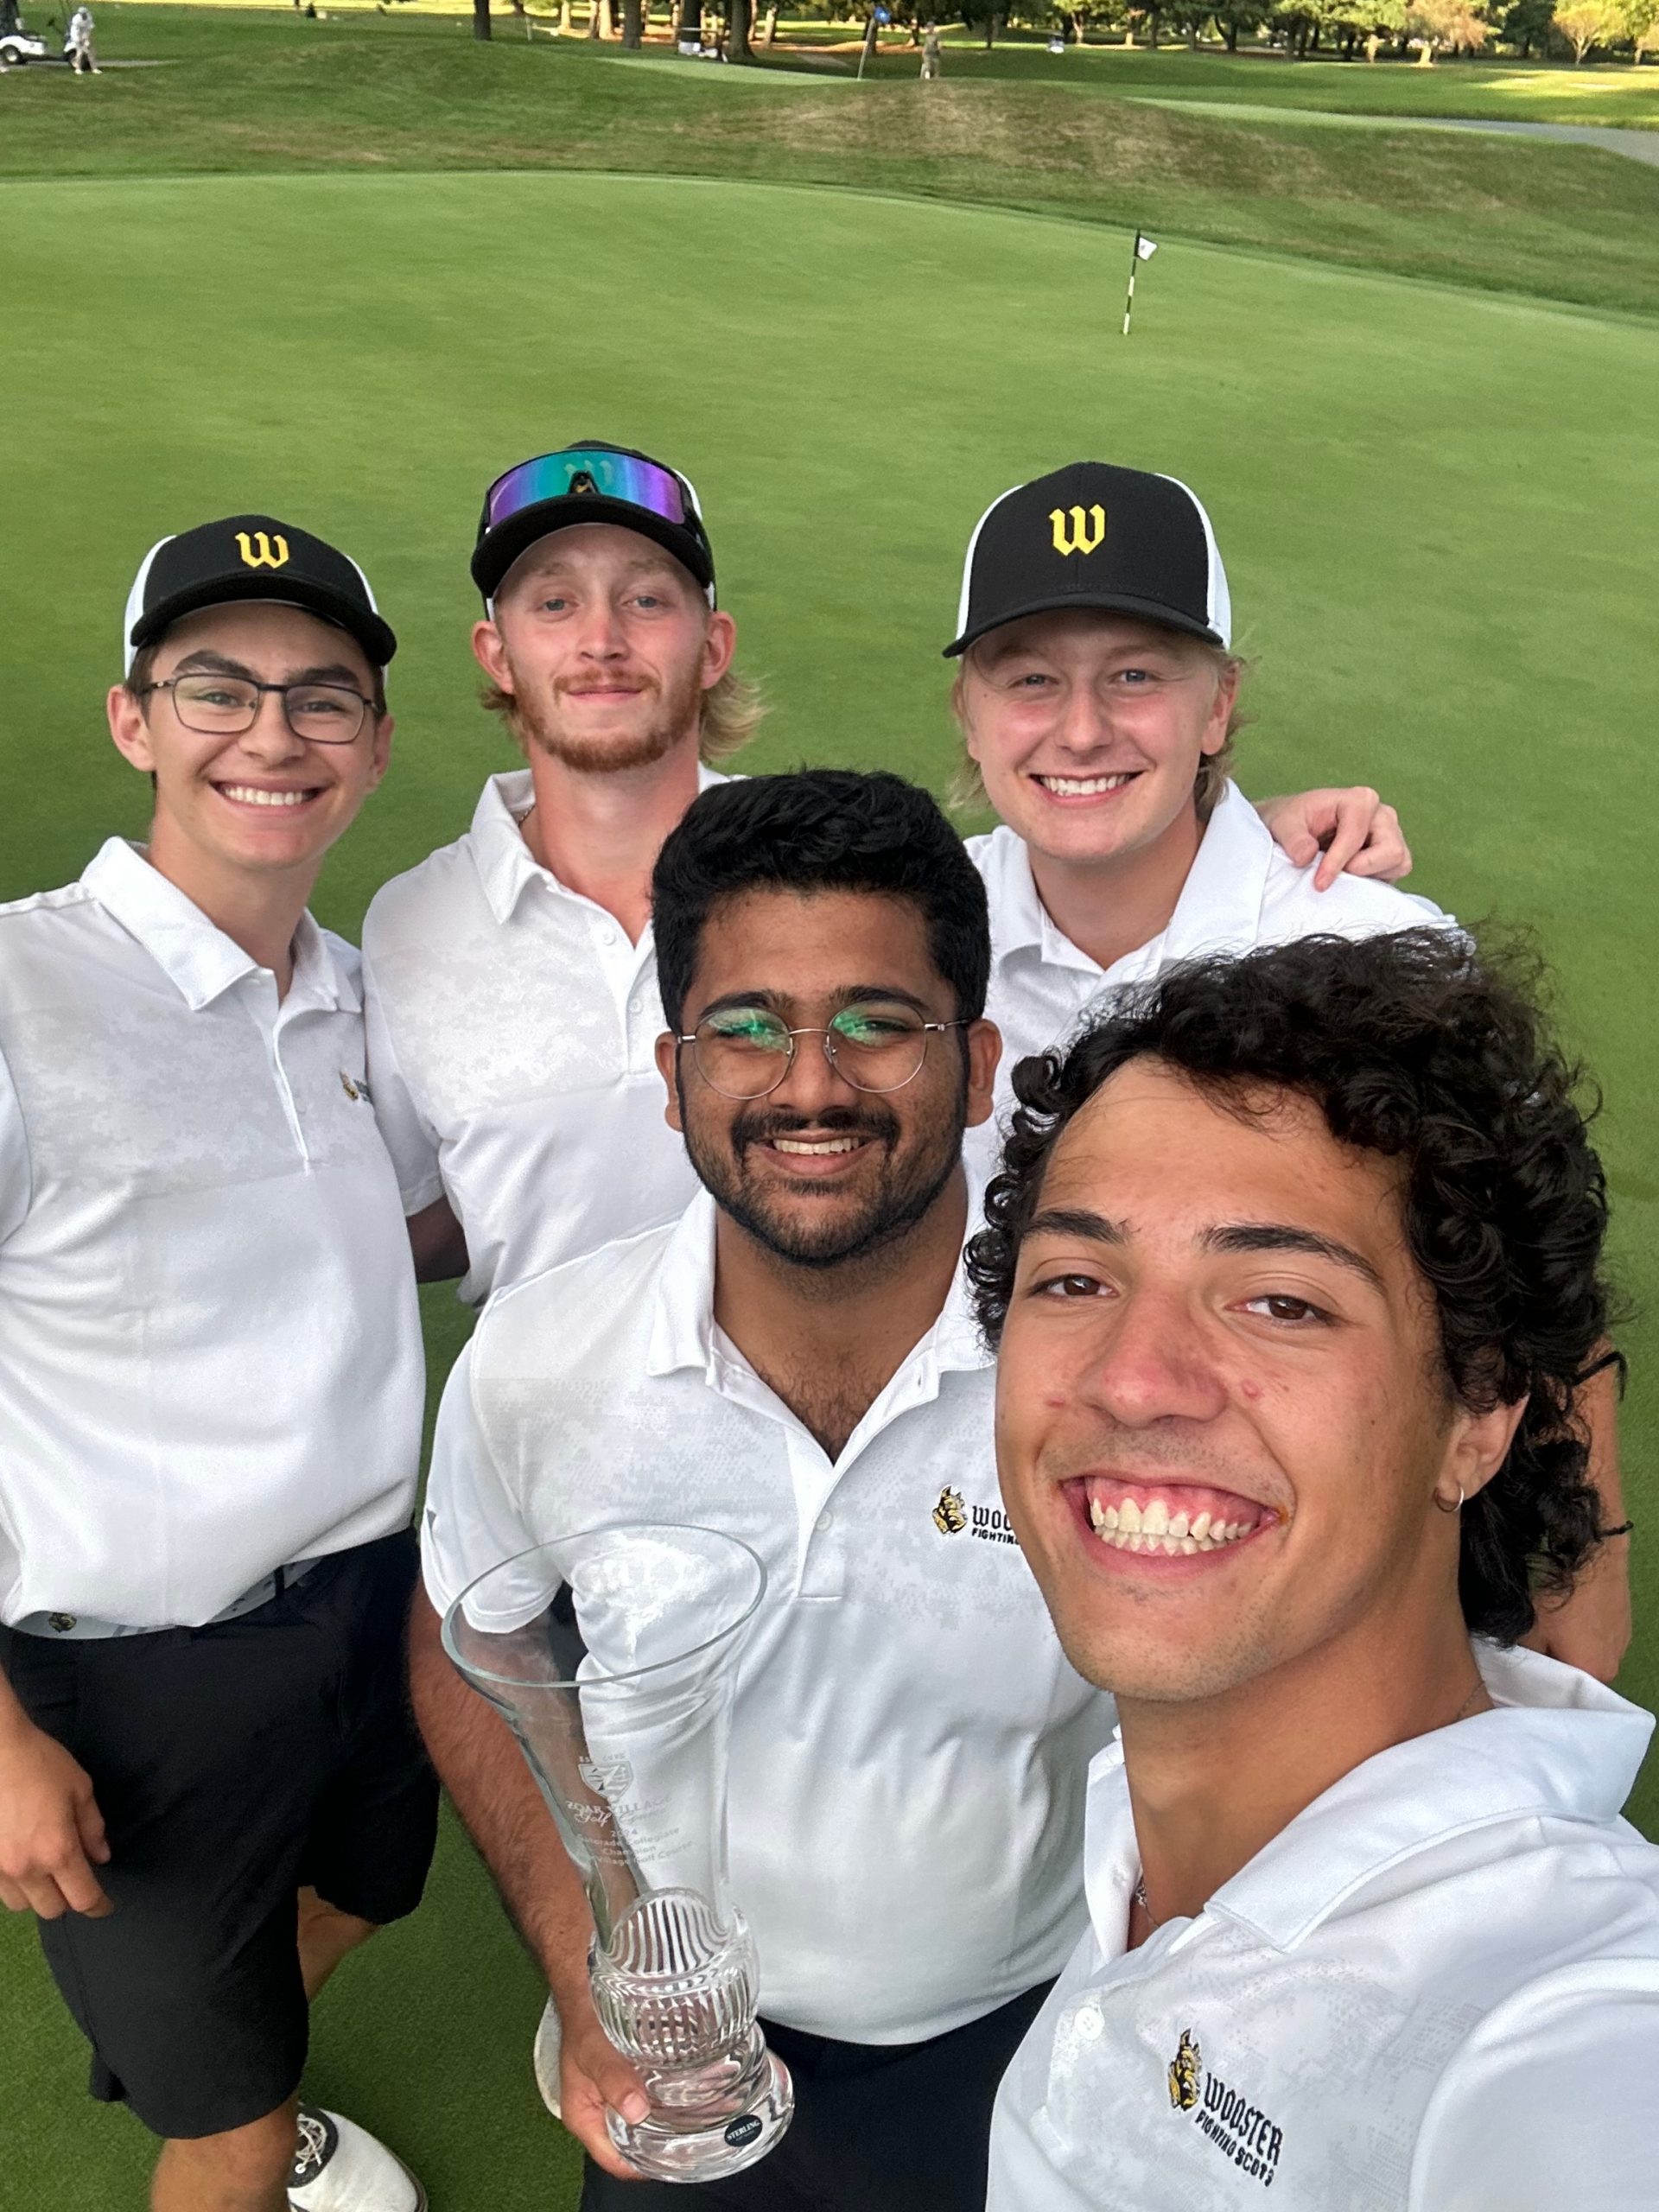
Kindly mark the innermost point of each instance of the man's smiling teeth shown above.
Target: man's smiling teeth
(1125, 1527)
(816, 1148)
(250, 795)
(1082, 787)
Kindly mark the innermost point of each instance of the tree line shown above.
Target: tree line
(1423, 30)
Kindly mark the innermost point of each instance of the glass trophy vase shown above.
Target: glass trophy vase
(612, 1654)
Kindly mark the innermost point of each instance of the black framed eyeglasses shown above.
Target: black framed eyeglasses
(225, 705)
(745, 1052)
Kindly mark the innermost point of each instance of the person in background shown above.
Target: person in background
(77, 43)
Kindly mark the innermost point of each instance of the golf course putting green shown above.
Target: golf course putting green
(1439, 529)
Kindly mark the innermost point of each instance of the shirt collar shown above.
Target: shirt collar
(1219, 908)
(499, 853)
(1557, 1744)
(194, 953)
(683, 1316)
(505, 863)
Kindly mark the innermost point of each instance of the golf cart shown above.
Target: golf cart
(17, 45)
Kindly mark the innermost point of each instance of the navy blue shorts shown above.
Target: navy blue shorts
(232, 1764)
(881, 2127)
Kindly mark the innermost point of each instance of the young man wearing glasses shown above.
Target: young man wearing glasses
(792, 1362)
(210, 1392)
(511, 978)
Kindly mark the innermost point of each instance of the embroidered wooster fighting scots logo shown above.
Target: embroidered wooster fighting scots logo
(949, 1515)
(260, 551)
(1185, 2070)
(987, 1524)
(1075, 532)
(1241, 2130)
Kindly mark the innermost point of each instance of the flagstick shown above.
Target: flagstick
(1134, 262)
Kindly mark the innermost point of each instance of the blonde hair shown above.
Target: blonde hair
(733, 710)
(968, 795)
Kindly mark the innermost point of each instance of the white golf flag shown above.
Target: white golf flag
(1144, 247)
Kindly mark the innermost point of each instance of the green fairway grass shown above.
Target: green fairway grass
(244, 91)
(1509, 92)
(1440, 515)
(1496, 90)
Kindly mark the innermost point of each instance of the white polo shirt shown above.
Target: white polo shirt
(512, 1027)
(1242, 890)
(210, 1355)
(512, 1033)
(1436, 1991)
(905, 1814)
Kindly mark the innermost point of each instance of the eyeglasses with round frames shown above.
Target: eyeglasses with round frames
(225, 705)
(746, 1053)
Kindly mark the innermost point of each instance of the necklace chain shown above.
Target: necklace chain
(1139, 1892)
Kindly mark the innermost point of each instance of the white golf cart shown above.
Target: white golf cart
(20, 45)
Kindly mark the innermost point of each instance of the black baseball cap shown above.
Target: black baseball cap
(253, 556)
(1091, 535)
(591, 481)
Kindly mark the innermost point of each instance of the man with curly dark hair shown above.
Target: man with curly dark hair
(1295, 1273)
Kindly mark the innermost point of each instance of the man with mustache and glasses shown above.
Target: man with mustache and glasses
(511, 978)
(1295, 1271)
(210, 1395)
(791, 1362)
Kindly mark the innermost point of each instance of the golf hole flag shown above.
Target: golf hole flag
(1144, 249)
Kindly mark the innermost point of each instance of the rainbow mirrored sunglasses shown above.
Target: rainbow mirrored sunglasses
(596, 470)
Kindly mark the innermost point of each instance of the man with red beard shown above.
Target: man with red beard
(511, 978)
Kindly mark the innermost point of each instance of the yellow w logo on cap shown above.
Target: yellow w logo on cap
(1075, 532)
(257, 553)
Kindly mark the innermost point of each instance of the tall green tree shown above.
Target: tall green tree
(1442, 26)
(1232, 17)
(1639, 22)
(1585, 23)
(1527, 25)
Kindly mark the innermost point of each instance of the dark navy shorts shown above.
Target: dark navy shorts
(233, 1765)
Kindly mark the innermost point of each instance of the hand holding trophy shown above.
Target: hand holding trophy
(612, 1654)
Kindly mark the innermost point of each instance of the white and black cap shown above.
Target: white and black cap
(1092, 535)
(252, 556)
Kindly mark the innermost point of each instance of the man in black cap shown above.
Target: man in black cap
(210, 1789)
(1096, 696)
(511, 978)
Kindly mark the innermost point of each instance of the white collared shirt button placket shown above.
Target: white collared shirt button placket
(906, 1733)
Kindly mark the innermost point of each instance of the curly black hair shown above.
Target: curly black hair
(1415, 1047)
(820, 829)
